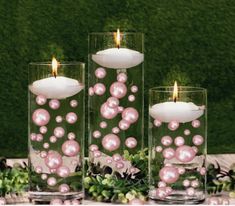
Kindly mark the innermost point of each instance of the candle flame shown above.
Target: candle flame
(54, 64)
(175, 92)
(117, 38)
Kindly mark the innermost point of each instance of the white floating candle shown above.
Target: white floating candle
(56, 88)
(176, 111)
(118, 58)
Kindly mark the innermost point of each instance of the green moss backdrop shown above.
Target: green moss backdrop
(192, 41)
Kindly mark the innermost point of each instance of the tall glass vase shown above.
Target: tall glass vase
(115, 112)
(56, 131)
(177, 144)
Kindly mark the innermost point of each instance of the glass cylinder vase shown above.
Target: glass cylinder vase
(177, 144)
(116, 124)
(56, 131)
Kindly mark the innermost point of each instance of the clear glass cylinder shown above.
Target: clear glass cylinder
(177, 145)
(116, 117)
(56, 130)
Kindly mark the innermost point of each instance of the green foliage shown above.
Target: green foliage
(12, 180)
(103, 186)
(191, 41)
(219, 180)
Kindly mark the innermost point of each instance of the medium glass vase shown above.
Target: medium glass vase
(177, 144)
(56, 131)
(116, 117)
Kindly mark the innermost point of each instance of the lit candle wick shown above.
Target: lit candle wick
(175, 92)
(118, 38)
(54, 66)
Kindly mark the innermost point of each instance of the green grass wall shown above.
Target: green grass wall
(191, 41)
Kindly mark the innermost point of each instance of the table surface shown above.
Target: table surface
(225, 161)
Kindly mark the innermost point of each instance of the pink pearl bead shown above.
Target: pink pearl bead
(169, 190)
(134, 89)
(187, 132)
(119, 165)
(161, 184)
(132, 170)
(157, 123)
(131, 142)
(186, 183)
(53, 171)
(53, 139)
(33, 137)
(39, 138)
(46, 145)
(97, 154)
(120, 109)
(41, 100)
(203, 171)
(100, 73)
(173, 125)
(181, 170)
(195, 183)
(63, 171)
(185, 153)
(136, 201)
(54, 104)
(130, 114)
(71, 117)
(73, 103)
(111, 142)
(169, 174)
(131, 98)
(71, 136)
(198, 140)
(117, 157)
(99, 89)
(59, 132)
(43, 129)
(38, 169)
(44, 176)
(103, 124)
(179, 141)
(64, 188)
(122, 77)
(168, 153)
(96, 134)
(115, 130)
(166, 140)
(58, 119)
(190, 191)
(70, 148)
(213, 201)
(158, 149)
(51, 181)
(41, 117)
(118, 90)
(109, 160)
(91, 91)
(123, 124)
(108, 112)
(56, 202)
(93, 147)
(53, 160)
(43, 154)
(161, 193)
(112, 102)
(196, 123)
